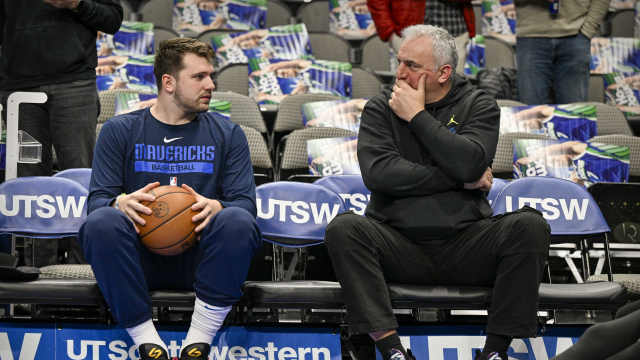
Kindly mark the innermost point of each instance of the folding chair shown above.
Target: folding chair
(260, 159)
(572, 213)
(503, 160)
(496, 187)
(278, 14)
(291, 153)
(498, 53)
(293, 216)
(315, 15)
(365, 84)
(622, 23)
(80, 175)
(327, 46)
(159, 12)
(610, 119)
(633, 142)
(376, 55)
(233, 77)
(351, 189)
(46, 208)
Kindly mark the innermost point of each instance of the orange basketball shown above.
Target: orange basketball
(169, 229)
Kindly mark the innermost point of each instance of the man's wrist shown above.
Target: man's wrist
(116, 202)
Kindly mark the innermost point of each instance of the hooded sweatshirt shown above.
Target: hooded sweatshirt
(42, 44)
(416, 170)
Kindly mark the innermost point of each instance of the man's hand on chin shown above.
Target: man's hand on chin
(406, 101)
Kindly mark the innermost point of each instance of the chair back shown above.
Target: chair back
(568, 207)
(496, 187)
(351, 189)
(79, 175)
(42, 207)
(295, 214)
(315, 15)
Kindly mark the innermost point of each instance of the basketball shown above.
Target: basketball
(169, 229)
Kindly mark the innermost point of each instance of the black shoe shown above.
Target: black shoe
(197, 351)
(396, 354)
(152, 352)
(491, 356)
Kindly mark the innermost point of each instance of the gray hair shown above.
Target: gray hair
(444, 45)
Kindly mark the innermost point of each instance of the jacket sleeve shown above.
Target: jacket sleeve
(238, 185)
(381, 14)
(594, 17)
(465, 155)
(107, 167)
(101, 15)
(384, 169)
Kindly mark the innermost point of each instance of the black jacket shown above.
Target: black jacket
(416, 170)
(42, 44)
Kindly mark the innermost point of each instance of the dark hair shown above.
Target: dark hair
(171, 52)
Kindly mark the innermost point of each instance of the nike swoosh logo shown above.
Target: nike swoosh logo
(166, 141)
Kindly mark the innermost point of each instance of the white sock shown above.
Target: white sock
(146, 333)
(205, 322)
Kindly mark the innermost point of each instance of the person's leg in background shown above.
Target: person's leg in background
(571, 72)
(73, 109)
(73, 112)
(534, 57)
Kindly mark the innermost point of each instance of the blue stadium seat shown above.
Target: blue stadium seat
(294, 215)
(79, 175)
(572, 213)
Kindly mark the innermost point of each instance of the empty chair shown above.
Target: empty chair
(161, 33)
(326, 46)
(159, 12)
(610, 120)
(496, 187)
(233, 77)
(572, 213)
(503, 160)
(351, 189)
(108, 103)
(289, 115)
(633, 142)
(80, 175)
(375, 54)
(364, 84)
(498, 53)
(315, 15)
(291, 155)
(244, 111)
(293, 230)
(278, 14)
(260, 158)
(622, 23)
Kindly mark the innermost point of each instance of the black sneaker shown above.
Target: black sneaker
(491, 356)
(396, 354)
(197, 351)
(152, 352)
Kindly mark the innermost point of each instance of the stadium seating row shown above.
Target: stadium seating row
(73, 285)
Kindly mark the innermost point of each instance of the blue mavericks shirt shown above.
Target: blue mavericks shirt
(210, 154)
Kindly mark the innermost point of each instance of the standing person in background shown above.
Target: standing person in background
(554, 51)
(50, 46)
(455, 16)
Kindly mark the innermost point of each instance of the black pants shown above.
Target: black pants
(506, 251)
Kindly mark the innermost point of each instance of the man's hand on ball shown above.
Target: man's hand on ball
(130, 204)
(208, 208)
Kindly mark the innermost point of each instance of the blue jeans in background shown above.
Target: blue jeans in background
(558, 64)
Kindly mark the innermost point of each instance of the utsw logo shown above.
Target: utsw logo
(299, 212)
(42, 206)
(551, 208)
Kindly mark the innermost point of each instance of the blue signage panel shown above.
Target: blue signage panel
(97, 342)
